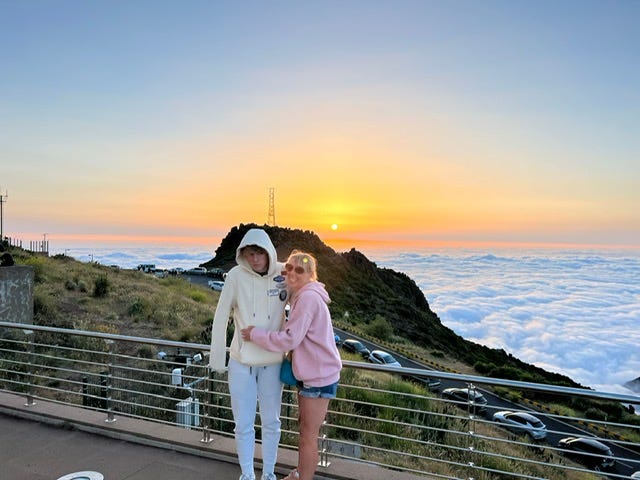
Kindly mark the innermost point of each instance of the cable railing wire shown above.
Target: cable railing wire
(415, 431)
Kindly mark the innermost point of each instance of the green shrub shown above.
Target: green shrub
(38, 265)
(595, 414)
(483, 368)
(514, 396)
(146, 351)
(198, 296)
(101, 287)
(43, 305)
(188, 334)
(379, 328)
(140, 308)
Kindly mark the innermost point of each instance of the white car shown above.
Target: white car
(215, 285)
(522, 422)
(197, 271)
(160, 272)
(383, 358)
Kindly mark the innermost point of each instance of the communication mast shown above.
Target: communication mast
(271, 218)
(3, 198)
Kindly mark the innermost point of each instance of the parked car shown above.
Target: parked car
(216, 273)
(521, 422)
(474, 399)
(197, 271)
(354, 346)
(383, 358)
(159, 272)
(337, 339)
(146, 267)
(432, 384)
(215, 285)
(588, 451)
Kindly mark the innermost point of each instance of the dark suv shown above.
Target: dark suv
(354, 346)
(589, 451)
(475, 401)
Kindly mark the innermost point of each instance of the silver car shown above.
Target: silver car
(522, 422)
(383, 358)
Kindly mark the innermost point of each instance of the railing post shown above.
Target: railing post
(206, 407)
(109, 386)
(472, 408)
(29, 393)
(324, 451)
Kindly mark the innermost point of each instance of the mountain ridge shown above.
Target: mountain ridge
(360, 291)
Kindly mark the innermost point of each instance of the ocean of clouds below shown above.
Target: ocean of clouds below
(567, 311)
(572, 312)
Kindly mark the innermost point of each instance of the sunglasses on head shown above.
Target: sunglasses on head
(299, 270)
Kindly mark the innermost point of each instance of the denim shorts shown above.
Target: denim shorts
(318, 392)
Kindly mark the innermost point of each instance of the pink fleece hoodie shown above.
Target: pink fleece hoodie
(309, 335)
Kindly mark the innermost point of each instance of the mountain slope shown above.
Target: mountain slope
(360, 290)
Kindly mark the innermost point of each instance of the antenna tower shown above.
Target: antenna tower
(271, 218)
(3, 198)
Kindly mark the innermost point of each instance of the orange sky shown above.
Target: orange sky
(385, 121)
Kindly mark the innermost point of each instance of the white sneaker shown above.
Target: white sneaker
(268, 476)
(293, 475)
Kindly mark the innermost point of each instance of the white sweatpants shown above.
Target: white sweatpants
(246, 386)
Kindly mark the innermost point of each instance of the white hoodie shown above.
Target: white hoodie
(252, 299)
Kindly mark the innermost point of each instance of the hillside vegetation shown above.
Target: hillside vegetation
(90, 296)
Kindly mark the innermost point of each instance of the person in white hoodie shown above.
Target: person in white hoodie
(254, 293)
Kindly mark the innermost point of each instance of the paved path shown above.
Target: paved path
(31, 450)
(46, 441)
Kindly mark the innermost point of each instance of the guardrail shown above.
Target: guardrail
(378, 417)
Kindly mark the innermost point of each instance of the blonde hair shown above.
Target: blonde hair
(306, 261)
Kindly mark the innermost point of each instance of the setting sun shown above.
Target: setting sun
(334, 226)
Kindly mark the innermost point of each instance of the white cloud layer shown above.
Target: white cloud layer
(567, 311)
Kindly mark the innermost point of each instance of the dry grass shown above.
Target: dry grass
(135, 304)
(450, 452)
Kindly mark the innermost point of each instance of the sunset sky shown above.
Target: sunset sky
(432, 121)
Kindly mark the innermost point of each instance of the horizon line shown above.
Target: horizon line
(334, 242)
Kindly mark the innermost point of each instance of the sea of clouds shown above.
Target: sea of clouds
(568, 311)
(576, 312)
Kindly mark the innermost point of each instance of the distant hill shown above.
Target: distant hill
(633, 385)
(360, 288)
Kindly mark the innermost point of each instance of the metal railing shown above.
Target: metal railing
(379, 416)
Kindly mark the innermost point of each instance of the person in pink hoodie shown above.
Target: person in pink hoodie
(308, 334)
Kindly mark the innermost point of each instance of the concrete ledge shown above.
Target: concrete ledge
(182, 440)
